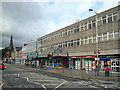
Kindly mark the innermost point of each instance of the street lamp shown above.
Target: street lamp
(97, 47)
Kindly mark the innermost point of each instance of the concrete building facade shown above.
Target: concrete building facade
(75, 45)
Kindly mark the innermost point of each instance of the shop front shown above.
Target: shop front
(57, 62)
(110, 61)
(82, 62)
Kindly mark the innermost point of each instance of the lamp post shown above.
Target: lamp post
(97, 47)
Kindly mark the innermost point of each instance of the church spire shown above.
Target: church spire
(11, 44)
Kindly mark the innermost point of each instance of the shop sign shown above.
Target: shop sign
(82, 56)
(108, 62)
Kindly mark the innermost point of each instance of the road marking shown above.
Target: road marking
(32, 82)
(50, 84)
(92, 86)
(1, 85)
(44, 80)
(60, 85)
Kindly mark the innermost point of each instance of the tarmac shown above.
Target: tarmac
(73, 73)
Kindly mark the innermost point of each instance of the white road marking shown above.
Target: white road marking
(33, 82)
(51, 84)
(92, 86)
(1, 85)
(44, 80)
(60, 85)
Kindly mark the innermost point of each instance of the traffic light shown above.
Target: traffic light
(50, 56)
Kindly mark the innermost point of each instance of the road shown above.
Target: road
(15, 76)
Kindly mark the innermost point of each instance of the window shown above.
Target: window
(111, 35)
(75, 42)
(116, 34)
(77, 29)
(82, 40)
(86, 40)
(115, 16)
(109, 18)
(89, 25)
(104, 20)
(94, 39)
(65, 44)
(85, 26)
(81, 27)
(105, 36)
(68, 32)
(78, 43)
(90, 39)
(71, 43)
(100, 38)
(99, 22)
(93, 23)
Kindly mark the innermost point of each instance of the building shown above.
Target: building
(75, 45)
(16, 55)
(29, 53)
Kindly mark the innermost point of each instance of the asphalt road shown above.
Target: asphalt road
(15, 76)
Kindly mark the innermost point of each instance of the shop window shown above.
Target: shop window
(115, 16)
(104, 20)
(109, 18)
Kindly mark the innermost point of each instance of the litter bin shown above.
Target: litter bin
(107, 74)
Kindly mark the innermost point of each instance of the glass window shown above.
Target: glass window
(89, 25)
(104, 19)
(115, 16)
(93, 23)
(85, 26)
(94, 39)
(78, 42)
(99, 22)
(71, 42)
(109, 18)
(75, 42)
(81, 27)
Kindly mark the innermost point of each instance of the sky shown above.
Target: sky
(27, 20)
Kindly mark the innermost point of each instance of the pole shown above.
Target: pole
(97, 46)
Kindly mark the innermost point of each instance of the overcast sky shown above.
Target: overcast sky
(27, 21)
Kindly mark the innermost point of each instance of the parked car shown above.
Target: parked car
(2, 66)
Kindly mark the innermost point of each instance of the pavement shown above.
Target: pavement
(77, 73)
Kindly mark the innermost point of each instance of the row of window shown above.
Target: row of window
(88, 25)
(83, 41)
(29, 53)
(29, 47)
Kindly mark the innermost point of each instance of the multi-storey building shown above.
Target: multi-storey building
(29, 52)
(75, 45)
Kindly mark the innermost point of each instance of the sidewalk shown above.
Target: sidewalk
(78, 73)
